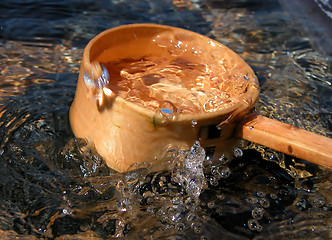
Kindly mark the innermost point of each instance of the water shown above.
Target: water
(176, 85)
(55, 186)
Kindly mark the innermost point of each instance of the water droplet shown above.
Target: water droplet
(161, 183)
(88, 81)
(193, 123)
(197, 52)
(238, 152)
(101, 82)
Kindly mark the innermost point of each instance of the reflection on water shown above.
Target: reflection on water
(55, 186)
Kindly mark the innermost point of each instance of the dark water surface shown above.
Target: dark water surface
(54, 186)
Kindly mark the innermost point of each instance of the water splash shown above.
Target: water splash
(190, 173)
(98, 87)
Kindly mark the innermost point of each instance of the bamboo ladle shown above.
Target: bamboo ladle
(125, 133)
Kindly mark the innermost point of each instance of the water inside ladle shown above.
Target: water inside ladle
(162, 80)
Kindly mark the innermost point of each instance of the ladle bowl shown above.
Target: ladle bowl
(124, 132)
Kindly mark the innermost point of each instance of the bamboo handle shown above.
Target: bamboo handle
(286, 138)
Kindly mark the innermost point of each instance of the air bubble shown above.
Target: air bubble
(187, 200)
(214, 170)
(120, 185)
(174, 215)
(259, 228)
(219, 211)
(252, 200)
(225, 172)
(273, 196)
(217, 177)
(261, 194)
(164, 40)
(317, 201)
(211, 204)
(196, 52)
(238, 152)
(214, 182)
(223, 159)
(180, 226)
(149, 200)
(257, 213)
(196, 228)
(221, 196)
(177, 200)
(66, 212)
(148, 194)
(253, 225)
(161, 183)
(264, 202)
(191, 217)
(119, 229)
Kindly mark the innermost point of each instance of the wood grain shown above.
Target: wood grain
(286, 138)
